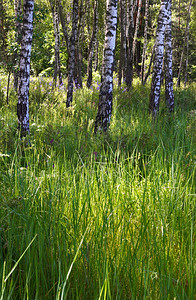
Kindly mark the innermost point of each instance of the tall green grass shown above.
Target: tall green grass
(105, 217)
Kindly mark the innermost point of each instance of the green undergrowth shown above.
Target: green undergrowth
(98, 217)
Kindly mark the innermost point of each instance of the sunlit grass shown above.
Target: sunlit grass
(105, 217)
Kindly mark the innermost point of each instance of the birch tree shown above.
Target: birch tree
(24, 68)
(71, 44)
(158, 58)
(106, 89)
(55, 19)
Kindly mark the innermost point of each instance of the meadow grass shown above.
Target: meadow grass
(98, 217)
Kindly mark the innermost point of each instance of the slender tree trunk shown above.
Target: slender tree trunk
(143, 69)
(92, 44)
(8, 86)
(78, 48)
(185, 39)
(55, 18)
(187, 60)
(169, 93)
(138, 58)
(71, 47)
(18, 15)
(129, 67)
(78, 68)
(158, 59)
(179, 35)
(122, 62)
(71, 64)
(64, 27)
(136, 28)
(87, 13)
(24, 72)
(96, 55)
(150, 65)
(106, 90)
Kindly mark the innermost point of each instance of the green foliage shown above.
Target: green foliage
(98, 217)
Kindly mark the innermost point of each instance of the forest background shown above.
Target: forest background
(106, 216)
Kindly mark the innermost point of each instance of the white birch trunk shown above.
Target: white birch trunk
(169, 93)
(106, 91)
(24, 71)
(158, 59)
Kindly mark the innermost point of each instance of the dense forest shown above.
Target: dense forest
(97, 149)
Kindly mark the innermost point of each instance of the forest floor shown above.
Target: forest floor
(111, 216)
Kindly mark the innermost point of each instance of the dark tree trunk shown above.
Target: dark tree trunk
(136, 28)
(185, 39)
(96, 55)
(24, 70)
(64, 27)
(169, 93)
(18, 15)
(122, 62)
(92, 44)
(78, 48)
(71, 47)
(143, 67)
(55, 18)
(138, 58)
(149, 67)
(129, 67)
(8, 86)
(71, 64)
(187, 60)
(106, 90)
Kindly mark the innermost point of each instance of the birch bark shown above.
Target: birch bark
(106, 90)
(158, 58)
(24, 70)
